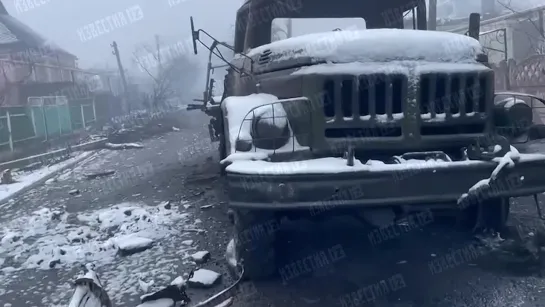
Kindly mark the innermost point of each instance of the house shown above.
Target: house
(43, 92)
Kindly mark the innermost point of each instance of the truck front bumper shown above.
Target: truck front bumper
(386, 185)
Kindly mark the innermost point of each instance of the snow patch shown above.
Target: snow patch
(332, 165)
(91, 237)
(130, 243)
(26, 179)
(376, 45)
(203, 278)
(124, 146)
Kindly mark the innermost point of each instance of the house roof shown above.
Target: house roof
(16, 36)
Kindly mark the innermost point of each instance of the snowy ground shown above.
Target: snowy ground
(421, 265)
(145, 198)
(24, 179)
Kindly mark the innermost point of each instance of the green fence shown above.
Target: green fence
(44, 118)
(16, 125)
(82, 113)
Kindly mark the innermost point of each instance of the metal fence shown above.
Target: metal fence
(44, 118)
(16, 125)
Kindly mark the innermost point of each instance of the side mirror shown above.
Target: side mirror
(194, 35)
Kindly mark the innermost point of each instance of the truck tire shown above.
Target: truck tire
(254, 243)
(494, 211)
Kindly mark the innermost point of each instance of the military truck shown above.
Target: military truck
(359, 122)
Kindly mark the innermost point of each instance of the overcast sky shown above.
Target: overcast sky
(60, 20)
(65, 21)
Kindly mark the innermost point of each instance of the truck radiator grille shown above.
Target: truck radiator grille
(454, 94)
(351, 97)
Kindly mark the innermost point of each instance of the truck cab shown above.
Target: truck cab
(359, 121)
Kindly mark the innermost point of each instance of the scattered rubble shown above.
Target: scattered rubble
(131, 244)
(206, 207)
(74, 192)
(7, 177)
(166, 297)
(201, 257)
(123, 146)
(179, 282)
(187, 242)
(204, 278)
(99, 174)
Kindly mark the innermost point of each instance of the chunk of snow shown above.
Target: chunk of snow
(376, 45)
(131, 244)
(124, 146)
(175, 129)
(230, 254)
(179, 282)
(187, 242)
(200, 257)
(244, 156)
(203, 278)
(145, 286)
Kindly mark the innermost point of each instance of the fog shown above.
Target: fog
(64, 21)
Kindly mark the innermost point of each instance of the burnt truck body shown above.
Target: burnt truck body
(351, 121)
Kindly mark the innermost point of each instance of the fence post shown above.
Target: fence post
(82, 116)
(59, 119)
(94, 110)
(8, 119)
(33, 118)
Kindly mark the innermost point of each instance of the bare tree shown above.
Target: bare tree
(170, 75)
(528, 25)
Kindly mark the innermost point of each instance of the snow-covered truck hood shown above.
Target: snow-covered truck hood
(373, 45)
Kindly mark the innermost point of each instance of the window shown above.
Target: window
(283, 28)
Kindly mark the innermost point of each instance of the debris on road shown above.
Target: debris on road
(123, 146)
(203, 278)
(187, 242)
(166, 204)
(166, 297)
(131, 244)
(7, 178)
(206, 207)
(145, 286)
(175, 129)
(194, 230)
(73, 192)
(179, 282)
(201, 257)
(99, 174)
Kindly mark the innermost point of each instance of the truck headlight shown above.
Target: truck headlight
(270, 129)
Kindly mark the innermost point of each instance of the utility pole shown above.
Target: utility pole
(124, 102)
(290, 27)
(158, 47)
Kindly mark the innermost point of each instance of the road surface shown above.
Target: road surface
(335, 262)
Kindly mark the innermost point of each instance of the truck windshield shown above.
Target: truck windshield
(282, 28)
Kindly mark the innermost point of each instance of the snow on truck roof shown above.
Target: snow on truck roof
(376, 45)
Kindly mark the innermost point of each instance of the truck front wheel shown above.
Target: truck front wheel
(489, 214)
(254, 239)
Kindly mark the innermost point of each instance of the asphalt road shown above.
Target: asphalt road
(335, 262)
